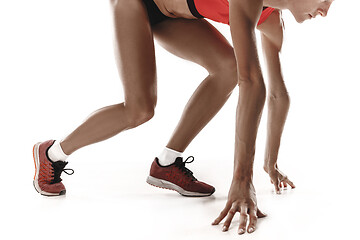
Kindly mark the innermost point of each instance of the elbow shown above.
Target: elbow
(282, 98)
(254, 87)
(256, 80)
(256, 83)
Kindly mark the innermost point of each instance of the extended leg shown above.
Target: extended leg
(136, 65)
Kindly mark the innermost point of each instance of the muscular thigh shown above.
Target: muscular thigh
(197, 41)
(135, 52)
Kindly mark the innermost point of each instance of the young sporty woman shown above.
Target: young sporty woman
(179, 26)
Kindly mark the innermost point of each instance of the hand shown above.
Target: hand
(278, 178)
(241, 198)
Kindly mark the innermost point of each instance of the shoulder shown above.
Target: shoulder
(272, 22)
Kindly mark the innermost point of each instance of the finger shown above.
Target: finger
(222, 214)
(252, 220)
(276, 184)
(280, 184)
(260, 214)
(285, 184)
(290, 183)
(243, 219)
(229, 218)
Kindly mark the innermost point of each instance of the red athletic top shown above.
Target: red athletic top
(218, 10)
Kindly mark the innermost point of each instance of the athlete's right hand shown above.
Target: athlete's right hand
(241, 198)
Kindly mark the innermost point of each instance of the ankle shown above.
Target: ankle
(56, 152)
(168, 156)
(66, 147)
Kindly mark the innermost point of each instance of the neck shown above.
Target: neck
(279, 4)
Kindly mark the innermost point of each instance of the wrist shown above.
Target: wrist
(242, 184)
(269, 164)
(242, 177)
(242, 174)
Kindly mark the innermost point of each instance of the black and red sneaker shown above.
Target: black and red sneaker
(179, 178)
(47, 179)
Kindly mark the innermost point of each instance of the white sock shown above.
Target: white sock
(56, 153)
(168, 156)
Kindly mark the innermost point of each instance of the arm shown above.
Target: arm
(278, 98)
(244, 15)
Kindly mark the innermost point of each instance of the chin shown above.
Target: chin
(300, 20)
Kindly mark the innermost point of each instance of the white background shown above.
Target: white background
(57, 66)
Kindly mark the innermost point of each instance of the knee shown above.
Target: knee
(140, 114)
(226, 72)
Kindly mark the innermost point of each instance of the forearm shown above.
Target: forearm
(248, 115)
(243, 18)
(278, 107)
(278, 98)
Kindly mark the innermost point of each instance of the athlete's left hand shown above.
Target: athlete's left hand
(278, 178)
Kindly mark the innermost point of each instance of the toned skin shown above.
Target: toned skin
(135, 51)
(243, 17)
(198, 41)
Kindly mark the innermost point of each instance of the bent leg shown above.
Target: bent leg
(198, 41)
(137, 68)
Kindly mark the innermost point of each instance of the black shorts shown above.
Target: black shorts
(155, 15)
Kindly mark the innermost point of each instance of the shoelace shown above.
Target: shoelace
(59, 167)
(181, 165)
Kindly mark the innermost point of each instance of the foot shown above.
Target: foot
(179, 178)
(47, 179)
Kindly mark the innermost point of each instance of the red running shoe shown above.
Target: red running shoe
(177, 177)
(47, 179)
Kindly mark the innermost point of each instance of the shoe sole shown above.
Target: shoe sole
(156, 182)
(37, 169)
